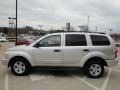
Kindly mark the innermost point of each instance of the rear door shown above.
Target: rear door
(74, 49)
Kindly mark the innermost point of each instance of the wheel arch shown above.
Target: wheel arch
(95, 59)
(14, 58)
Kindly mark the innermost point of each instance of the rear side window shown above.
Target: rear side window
(75, 40)
(98, 40)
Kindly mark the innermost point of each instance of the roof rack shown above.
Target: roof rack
(80, 31)
(98, 32)
(91, 32)
(86, 32)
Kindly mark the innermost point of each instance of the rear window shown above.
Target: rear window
(75, 40)
(98, 40)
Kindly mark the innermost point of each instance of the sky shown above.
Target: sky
(105, 14)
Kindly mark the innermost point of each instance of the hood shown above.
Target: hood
(17, 48)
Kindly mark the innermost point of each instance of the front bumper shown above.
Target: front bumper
(5, 62)
(112, 62)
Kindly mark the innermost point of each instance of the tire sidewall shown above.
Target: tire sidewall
(87, 67)
(26, 67)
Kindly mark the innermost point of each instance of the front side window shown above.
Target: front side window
(98, 40)
(51, 41)
(75, 40)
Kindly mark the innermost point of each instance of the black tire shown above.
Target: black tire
(94, 73)
(24, 63)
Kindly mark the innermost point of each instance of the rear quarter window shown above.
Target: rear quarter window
(98, 40)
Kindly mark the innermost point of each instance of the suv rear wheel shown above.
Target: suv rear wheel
(94, 69)
(20, 67)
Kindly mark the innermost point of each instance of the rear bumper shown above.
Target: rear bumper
(112, 62)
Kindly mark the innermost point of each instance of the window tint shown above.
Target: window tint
(99, 40)
(75, 40)
(51, 41)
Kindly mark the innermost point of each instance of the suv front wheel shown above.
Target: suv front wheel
(94, 69)
(20, 67)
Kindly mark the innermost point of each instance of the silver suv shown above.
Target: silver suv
(91, 51)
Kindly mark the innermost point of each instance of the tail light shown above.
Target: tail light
(116, 51)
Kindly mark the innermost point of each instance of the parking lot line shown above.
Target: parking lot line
(6, 86)
(35, 77)
(116, 70)
(83, 80)
(113, 69)
(106, 80)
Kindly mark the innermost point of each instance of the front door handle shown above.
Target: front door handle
(86, 50)
(57, 50)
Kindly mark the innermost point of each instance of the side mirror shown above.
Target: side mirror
(117, 45)
(37, 45)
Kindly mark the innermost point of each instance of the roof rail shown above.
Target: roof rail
(81, 32)
(98, 32)
(86, 32)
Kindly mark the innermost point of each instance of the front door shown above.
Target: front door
(49, 51)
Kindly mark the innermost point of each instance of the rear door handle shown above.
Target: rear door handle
(57, 50)
(86, 50)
